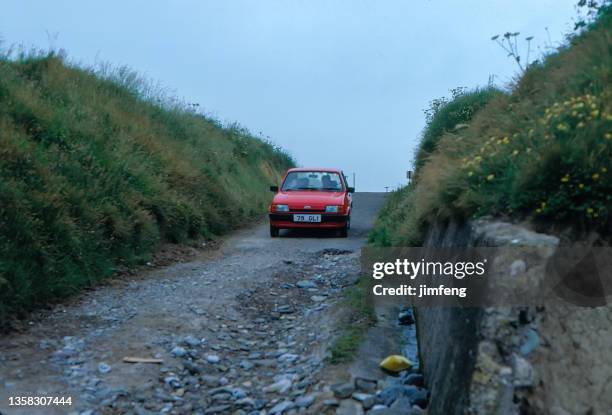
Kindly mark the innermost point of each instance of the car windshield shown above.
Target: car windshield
(312, 180)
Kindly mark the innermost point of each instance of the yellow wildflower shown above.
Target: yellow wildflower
(515, 152)
(590, 210)
(608, 136)
(580, 125)
(595, 176)
(604, 170)
(581, 185)
(595, 113)
(490, 177)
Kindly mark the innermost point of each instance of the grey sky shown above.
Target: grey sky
(337, 83)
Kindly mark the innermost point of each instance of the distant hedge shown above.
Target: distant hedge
(453, 115)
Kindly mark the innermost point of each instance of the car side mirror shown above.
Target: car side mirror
(351, 190)
(274, 188)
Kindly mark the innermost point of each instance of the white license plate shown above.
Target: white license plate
(307, 218)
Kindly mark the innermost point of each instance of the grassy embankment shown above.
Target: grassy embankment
(540, 152)
(96, 170)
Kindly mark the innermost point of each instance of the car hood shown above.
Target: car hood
(314, 199)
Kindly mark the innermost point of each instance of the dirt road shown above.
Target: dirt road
(242, 332)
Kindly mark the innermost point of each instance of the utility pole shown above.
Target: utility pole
(353, 179)
(409, 176)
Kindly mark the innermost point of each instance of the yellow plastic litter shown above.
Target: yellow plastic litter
(395, 363)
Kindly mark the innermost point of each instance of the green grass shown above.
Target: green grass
(97, 169)
(541, 152)
(453, 115)
(345, 347)
(361, 316)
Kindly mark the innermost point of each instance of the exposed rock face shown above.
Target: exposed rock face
(503, 360)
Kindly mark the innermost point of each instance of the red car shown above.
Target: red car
(311, 198)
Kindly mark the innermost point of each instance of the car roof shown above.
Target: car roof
(323, 169)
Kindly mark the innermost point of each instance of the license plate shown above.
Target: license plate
(307, 218)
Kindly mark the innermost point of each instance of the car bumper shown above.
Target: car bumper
(285, 221)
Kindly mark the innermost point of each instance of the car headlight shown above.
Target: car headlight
(281, 208)
(331, 209)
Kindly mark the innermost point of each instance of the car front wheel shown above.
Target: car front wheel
(274, 231)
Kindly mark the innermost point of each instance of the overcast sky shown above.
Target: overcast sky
(337, 83)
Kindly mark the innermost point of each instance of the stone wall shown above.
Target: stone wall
(511, 360)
